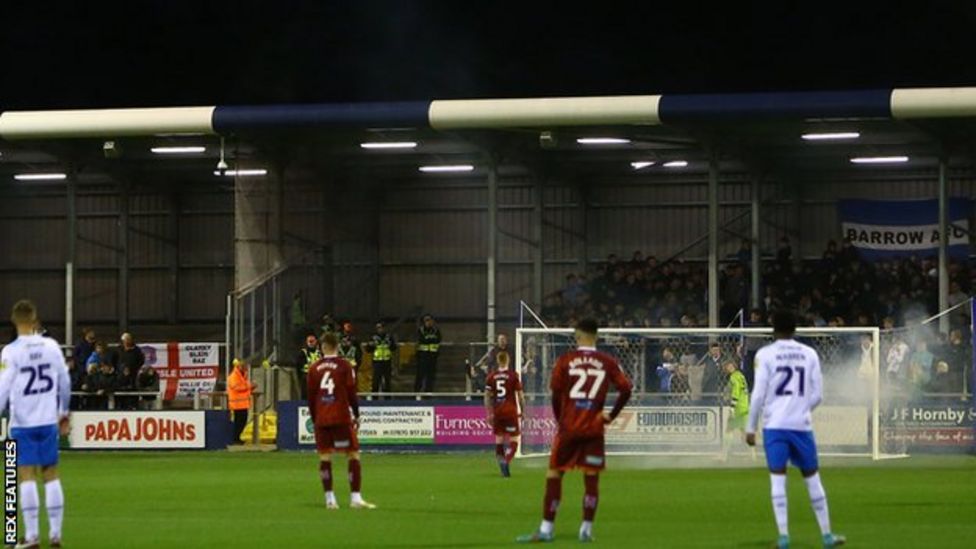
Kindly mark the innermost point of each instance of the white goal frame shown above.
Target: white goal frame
(875, 443)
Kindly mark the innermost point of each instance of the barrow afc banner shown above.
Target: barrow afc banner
(884, 229)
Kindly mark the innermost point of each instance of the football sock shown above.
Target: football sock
(511, 451)
(355, 476)
(546, 527)
(554, 492)
(325, 472)
(29, 502)
(500, 452)
(54, 501)
(590, 497)
(778, 493)
(818, 500)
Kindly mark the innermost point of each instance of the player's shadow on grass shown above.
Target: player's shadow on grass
(767, 544)
(425, 511)
(445, 544)
(451, 511)
(922, 504)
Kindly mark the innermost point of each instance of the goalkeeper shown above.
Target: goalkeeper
(738, 398)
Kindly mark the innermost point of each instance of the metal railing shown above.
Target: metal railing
(157, 397)
(253, 322)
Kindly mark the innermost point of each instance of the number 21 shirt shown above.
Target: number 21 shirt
(788, 387)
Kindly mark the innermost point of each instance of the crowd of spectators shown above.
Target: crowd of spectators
(98, 373)
(838, 289)
(842, 289)
(634, 293)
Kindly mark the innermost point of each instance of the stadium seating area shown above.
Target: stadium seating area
(839, 289)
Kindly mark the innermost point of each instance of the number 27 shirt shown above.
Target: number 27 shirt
(580, 382)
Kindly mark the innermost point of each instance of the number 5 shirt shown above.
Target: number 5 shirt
(580, 382)
(502, 385)
(788, 387)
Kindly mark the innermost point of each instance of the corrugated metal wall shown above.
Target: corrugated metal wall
(197, 247)
(398, 248)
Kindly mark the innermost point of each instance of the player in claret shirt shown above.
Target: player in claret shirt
(504, 400)
(580, 382)
(334, 407)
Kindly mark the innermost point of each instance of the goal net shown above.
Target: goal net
(681, 403)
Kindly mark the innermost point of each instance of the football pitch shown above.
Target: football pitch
(242, 499)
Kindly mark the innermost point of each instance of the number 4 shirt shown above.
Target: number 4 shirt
(332, 392)
(788, 387)
(580, 382)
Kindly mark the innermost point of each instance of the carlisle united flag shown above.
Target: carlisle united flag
(883, 229)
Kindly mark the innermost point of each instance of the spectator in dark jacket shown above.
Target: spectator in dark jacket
(84, 348)
(712, 377)
(76, 374)
(103, 384)
(942, 380)
(128, 360)
(958, 355)
(488, 363)
(125, 382)
(148, 380)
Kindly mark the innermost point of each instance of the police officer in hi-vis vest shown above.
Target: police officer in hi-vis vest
(428, 346)
(382, 345)
(349, 348)
(308, 355)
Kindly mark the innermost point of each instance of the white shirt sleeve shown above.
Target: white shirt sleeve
(758, 395)
(64, 385)
(6, 382)
(816, 381)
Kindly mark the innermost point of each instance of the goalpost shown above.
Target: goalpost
(680, 405)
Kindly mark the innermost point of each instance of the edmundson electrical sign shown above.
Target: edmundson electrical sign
(666, 425)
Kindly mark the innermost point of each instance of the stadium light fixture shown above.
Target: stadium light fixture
(879, 159)
(830, 136)
(381, 145)
(602, 141)
(255, 172)
(642, 164)
(178, 150)
(676, 164)
(40, 176)
(447, 168)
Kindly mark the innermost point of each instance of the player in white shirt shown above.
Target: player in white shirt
(35, 382)
(788, 387)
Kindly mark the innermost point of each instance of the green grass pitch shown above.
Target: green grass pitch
(185, 499)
